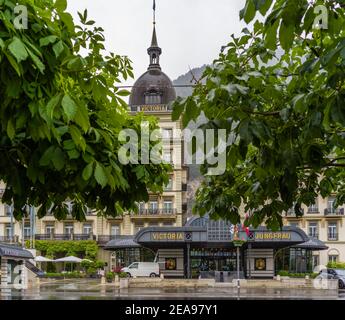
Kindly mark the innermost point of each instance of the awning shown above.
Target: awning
(122, 244)
(9, 251)
(312, 244)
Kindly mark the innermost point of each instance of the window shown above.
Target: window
(153, 207)
(330, 205)
(168, 207)
(167, 156)
(141, 207)
(169, 186)
(69, 207)
(167, 135)
(333, 258)
(314, 208)
(27, 231)
(87, 228)
(50, 229)
(134, 266)
(153, 98)
(69, 229)
(8, 231)
(316, 261)
(332, 231)
(313, 230)
(8, 210)
(115, 230)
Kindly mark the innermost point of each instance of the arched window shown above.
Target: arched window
(153, 97)
(154, 59)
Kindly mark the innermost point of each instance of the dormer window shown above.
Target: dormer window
(153, 98)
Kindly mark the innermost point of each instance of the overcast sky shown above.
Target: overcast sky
(190, 32)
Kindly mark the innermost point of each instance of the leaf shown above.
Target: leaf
(58, 159)
(100, 175)
(77, 137)
(69, 107)
(263, 6)
(10, 129)
(58, 48)
(52, 104)
(38, 63)
(286, 35)
(18, 49)
(299, 104)
(47, 40)
(271, 36)
(47, 156)
(88, 171)
(123, 93)
(248, 13)
(13, 63)
(61, 5)
(82, 118)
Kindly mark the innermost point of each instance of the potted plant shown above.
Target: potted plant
(110, 277)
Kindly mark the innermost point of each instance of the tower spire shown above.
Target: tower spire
(154, 51)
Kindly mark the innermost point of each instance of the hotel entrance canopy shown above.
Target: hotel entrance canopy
(217, 235)
(8, 251)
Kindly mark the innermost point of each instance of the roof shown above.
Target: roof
(122, 244)
(10, 251)
(312, 244)
(152, 80)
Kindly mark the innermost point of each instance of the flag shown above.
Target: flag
(154, 5)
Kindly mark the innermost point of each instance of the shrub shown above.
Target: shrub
(110, 275)
(336, 265)
(297, 275)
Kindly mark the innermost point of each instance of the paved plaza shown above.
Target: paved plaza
(93, 290)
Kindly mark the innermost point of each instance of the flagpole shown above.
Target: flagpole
(154, 12)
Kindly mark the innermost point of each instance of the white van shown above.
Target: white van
(142, 269)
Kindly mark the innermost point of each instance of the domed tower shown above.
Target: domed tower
(152, 94)
(153, 91)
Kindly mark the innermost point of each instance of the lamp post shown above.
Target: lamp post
(239, 238)
(12, 225)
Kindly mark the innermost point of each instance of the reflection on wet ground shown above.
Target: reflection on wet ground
(93, 290)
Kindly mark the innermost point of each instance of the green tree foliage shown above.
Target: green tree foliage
(60, 116)
(279, 92)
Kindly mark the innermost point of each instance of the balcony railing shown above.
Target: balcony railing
(334, 212)
(313, 210)
(157, 212)
(7, 239)
(333, 236)
(66, 237)
(292, 213)
(102, 240)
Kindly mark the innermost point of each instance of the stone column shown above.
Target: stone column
(4, 287)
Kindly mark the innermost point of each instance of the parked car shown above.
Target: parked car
(142, 269)
(334, 274)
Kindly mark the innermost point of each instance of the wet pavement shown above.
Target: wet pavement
(93, 290)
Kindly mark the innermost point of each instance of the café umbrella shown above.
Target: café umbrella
(70, 259)
(42, 259)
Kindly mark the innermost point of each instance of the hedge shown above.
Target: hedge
(52, 248)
